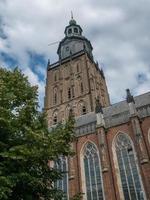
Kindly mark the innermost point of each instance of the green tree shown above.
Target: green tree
(26, 145)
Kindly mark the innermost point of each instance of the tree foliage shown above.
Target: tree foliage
(26, 145)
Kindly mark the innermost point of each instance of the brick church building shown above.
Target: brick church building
(112, 145)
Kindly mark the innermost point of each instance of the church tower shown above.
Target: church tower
(112, 145)
(75, 81)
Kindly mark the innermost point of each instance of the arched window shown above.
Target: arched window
(55, 119)
(62, 184)
(82, 90)
(84, 110)
(69, 93)
(69, 31)
(75, 30)
(92, 173)
(82, 107)
(129, 173)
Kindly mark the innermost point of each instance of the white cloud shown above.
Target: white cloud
(118, 31)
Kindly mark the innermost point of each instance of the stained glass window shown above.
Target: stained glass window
(128, 167)
(93, 176)
(62, 184)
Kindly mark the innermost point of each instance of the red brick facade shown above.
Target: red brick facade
(109, 175)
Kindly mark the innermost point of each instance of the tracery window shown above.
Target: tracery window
(62, 184)
(92, 171)
(129, 174)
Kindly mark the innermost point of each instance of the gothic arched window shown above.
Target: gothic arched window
(92, 173)
(84, 111)
(69, 93)
(62, 184)
(55, 119)
(81, 86)
(130, 178)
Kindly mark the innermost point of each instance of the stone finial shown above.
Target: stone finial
(99, 114)
(129, 97)
(131, 103)
(98, 108)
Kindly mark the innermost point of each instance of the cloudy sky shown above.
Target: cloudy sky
(118, 30)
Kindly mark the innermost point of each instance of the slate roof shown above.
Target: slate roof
(115, 114)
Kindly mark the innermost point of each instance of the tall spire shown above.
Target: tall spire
(71, 14)
(72, 21)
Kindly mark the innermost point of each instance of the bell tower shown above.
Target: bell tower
(75, 80)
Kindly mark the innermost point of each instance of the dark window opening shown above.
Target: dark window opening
(130, 151)
(55, 120)
(75, 30)
(83, 110)
(69, 93)
(81, 87)
(70, 31)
